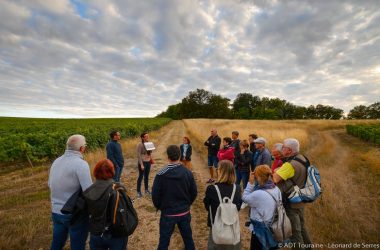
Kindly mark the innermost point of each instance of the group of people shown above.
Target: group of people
(268, 177)
(174, 188)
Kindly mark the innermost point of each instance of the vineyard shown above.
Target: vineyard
(367, 132)
(39, 140)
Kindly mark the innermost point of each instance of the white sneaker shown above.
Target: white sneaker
(243, 205)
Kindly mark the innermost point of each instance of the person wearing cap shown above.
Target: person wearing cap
(262, 155)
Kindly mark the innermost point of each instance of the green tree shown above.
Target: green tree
(358, 112)
(373, 111)
(173, 111)
(203, 104)
(243, 105)
(218, 107)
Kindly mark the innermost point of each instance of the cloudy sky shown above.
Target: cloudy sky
(104, 58)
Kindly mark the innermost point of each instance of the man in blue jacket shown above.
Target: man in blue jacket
(115, 154)
(262, 155)
(173, 192)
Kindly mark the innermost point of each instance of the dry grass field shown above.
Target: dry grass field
(347, 212)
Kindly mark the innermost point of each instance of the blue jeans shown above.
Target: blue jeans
(241, 176)
(144, 173)
(62, 228)
(102, 243)
(167, 225)
(117, 175)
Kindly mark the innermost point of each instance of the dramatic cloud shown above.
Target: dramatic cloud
(106, 58)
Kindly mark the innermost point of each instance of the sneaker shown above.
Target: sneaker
(139, 195)
(210, 181)
(243, 205)
(147, 192)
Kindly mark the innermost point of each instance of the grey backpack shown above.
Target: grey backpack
(280, 226)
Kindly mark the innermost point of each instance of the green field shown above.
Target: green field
(41, 139)
(367, 132)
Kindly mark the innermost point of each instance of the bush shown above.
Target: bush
(44, 139)
(370, 132)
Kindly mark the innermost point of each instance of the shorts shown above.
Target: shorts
(213, 161)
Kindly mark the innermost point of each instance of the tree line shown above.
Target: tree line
(204, 104)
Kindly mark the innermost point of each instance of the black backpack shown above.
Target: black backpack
(118, 217)
(124, 218)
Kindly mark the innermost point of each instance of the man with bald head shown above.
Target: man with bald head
(213, 145)
(68, 174)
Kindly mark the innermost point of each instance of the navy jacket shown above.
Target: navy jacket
(188, 152)
(115, 154)
(213, 145)
(174, 189)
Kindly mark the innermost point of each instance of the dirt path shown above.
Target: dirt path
(343, 187)
(147, 234)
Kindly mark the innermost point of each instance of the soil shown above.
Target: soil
(146, 235)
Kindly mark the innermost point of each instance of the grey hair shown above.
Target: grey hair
(293, 144)
(278, 147)
(75, 142)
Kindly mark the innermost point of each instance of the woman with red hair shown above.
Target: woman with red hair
(97, 196)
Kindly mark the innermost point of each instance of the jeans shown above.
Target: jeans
(255, 244)
(241, 176)
(117, 175)
(299, 232)
(101, 243)
(144, 173)
(62, 228)
(167, 225)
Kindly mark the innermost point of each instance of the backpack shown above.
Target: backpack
(280, 226)
(124, 218)
(312, 188)
(119, 218)
(225, 228)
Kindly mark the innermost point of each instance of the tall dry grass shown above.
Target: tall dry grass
(349, 208)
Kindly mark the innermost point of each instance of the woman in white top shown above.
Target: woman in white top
(259, 195)
(145, 160)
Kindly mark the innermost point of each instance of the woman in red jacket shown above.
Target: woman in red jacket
(227, 152)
